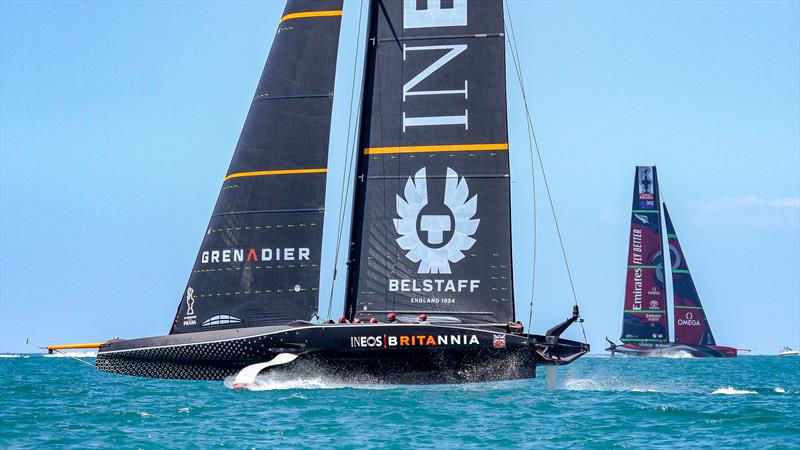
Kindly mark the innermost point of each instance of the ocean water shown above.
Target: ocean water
(600, 402)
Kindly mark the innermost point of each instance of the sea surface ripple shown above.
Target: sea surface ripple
(747, 402)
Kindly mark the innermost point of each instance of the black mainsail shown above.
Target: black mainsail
(260, 257)
(431, 230)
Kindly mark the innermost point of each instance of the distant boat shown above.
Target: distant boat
(645, 325)
(788, 352)
(429, 294)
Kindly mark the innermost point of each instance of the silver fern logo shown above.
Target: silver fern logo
(459, 223)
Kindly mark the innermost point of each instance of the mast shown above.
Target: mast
(690, 321)
(431, 222)
(259, 260)
(644, 311)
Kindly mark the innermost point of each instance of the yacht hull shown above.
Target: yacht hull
(673, 350)
(364, 353)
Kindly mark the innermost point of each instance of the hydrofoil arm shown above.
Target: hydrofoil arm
(247, 376)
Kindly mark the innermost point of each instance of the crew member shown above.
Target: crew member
(373, 320)
(342, 319)
(423, 317)
(513, 327)
(391, 317)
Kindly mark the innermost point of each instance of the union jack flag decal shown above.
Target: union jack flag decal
(499, 340)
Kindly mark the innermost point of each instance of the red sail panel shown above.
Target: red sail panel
(691, 323)
(645, 314)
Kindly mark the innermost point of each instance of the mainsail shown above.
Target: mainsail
(645, 315)
(432, 230)
(259, 260)
(691, 323)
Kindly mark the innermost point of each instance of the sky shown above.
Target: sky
(118, 121)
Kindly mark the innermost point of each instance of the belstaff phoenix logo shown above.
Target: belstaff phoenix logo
(436, 255)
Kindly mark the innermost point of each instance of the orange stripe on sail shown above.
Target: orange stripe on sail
(436, 148)
(307, 14)
(263, 173)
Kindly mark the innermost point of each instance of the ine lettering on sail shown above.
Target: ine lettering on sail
(435, 16)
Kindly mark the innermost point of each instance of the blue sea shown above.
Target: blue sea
(600, 402)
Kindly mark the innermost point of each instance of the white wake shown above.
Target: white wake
(731, 391)
(613, 384)
(71, 354)
(680, 354)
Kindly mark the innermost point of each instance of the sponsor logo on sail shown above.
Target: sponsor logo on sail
(189, 318)
(435, 240)
(646, 194)
(642, 218)
(247, 255)
(636, 256)
(654, 291)
(645, 184)
(220, 319)
(689, 320)
(434, 14)
(429, 285)
(436, 255)
(423, 340)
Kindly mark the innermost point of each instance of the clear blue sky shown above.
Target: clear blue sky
(118, 120)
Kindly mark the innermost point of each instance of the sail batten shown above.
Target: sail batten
(644, 313)
(259, 260)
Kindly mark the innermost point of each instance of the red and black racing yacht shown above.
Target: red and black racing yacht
(645, 327)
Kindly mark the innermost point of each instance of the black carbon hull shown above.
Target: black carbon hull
(366, 353)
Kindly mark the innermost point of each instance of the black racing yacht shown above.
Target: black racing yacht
(429, 296)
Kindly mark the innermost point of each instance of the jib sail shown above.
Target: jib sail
(691, 323)
(431, 229)
(259, 260)
(645, 315)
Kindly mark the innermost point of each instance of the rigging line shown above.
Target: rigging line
(345, 190)
(535, 233)
(518, 71)
(533, 185)
(518, 67)
(533, 188)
